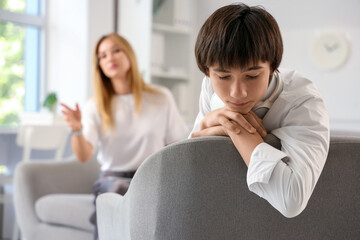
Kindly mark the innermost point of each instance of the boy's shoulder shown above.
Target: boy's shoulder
(207, 86)
(297, 85)
(288, 75)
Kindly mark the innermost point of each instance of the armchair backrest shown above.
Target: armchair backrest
(196, 189)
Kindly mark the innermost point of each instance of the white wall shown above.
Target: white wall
(134, 23)
(300, 23)
(67, 50)
(72, 32)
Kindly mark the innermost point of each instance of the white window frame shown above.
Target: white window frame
(35, 83)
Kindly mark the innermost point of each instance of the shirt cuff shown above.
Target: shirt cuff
(262, 163)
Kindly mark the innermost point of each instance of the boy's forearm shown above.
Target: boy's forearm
(245, 143)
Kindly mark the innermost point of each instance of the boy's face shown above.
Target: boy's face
(240, 89)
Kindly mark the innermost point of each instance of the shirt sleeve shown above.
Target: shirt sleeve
(176, 128)
(90, 122)
(204, 103)
(286, 178)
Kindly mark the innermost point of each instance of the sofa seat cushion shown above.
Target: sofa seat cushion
(71, 210)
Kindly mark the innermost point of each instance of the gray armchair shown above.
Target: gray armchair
(53, 200)
(196, 189)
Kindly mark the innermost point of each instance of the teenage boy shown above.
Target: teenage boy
(239, 49)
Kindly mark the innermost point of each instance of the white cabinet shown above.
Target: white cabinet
(161, 33)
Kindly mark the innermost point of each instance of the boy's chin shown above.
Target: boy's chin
(239, 109)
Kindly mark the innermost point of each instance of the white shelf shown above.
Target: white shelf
(170, 29)
(171, 55)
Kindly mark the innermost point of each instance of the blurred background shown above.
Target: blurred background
(46, 47)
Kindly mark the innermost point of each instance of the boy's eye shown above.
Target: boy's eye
(223, 77)
(252, 76)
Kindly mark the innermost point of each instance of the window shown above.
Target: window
(21, 38)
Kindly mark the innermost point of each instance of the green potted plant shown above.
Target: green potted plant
(50, 102)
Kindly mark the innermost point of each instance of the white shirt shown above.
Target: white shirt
(135, 137)
(299, 118)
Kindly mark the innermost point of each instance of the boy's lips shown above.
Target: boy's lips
(239, 104)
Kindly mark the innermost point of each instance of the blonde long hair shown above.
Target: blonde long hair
(103, 89)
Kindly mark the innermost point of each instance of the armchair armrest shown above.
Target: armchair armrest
(35, 179)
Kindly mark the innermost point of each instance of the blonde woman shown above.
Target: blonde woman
(125, 121)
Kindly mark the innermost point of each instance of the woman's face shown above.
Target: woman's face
(112, 59)
(240, 89)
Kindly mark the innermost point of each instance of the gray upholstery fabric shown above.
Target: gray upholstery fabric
(33, 180)
(69, 210)
(196, 189)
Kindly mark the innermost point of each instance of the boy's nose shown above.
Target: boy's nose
(238, 90)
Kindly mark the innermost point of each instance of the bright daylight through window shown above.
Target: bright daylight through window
(21, 27)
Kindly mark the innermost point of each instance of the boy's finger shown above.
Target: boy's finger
(257, 123)
(230, 125)
(212, 131)
(239, 119)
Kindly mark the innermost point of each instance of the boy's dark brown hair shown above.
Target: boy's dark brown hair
(237, 36)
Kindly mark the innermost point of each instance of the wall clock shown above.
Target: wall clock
(330, 50)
